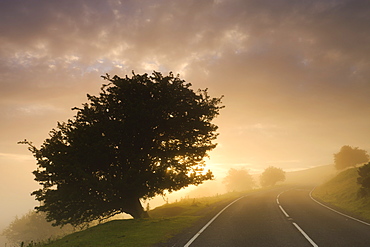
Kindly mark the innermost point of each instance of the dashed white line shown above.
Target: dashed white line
(295, 224)
(305, 235)
(282, 209)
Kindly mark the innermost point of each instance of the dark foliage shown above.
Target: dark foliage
(364, 179)
(141, 137)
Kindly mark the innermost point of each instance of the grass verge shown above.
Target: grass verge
(342, 192)
(165, 222)
(122, 233)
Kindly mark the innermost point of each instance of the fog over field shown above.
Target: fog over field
(294, 75)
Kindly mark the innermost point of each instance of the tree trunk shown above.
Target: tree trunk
(133, 207)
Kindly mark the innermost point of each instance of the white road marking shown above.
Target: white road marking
(282, 209)
(284, 212)
(295, 224)
(352, 218)
(305, 235)
(205, 227)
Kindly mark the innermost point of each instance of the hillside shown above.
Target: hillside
(341, 192)
(145, 232)
(165, 222)
(312, 176)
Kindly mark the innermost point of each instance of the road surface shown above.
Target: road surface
(278, 217)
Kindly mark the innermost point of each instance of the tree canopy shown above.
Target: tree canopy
(349, 156)
(271, 176)
(238, 180)
(364, 179)
(142, 136)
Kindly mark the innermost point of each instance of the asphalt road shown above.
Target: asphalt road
(278, 217)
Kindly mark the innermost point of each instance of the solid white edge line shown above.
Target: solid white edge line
(209, 222)
(363, 222)
(305, 235)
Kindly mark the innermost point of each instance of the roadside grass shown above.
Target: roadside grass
(122, 233)
(192, 206)
(166, 221)
(342, 193)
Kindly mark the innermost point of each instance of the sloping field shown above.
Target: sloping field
(167, 221)
(341, 192)
(312, 176)
(124, 233)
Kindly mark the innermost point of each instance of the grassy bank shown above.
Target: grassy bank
(342, 193)
(130, 232)
(165, 222)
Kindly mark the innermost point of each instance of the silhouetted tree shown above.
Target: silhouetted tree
(238, 180)
(349, 156)
(271, 176)
(364, 179)
(141, 137)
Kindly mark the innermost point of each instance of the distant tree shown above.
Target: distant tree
(271, 176)
(364, 179)
(141, 137)
(238, 180)
(33, 227)
(349, 156)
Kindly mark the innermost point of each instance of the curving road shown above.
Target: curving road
(278, 217)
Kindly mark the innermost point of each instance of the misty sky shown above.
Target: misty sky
(295, 74)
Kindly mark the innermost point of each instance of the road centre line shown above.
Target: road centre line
(284, 212)
(209, 222)
(305, 235)
(295, 224)
(281, 208)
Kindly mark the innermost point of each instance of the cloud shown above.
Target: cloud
(301, 66)
(17, 157)
(295, 74)
(180, 32)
